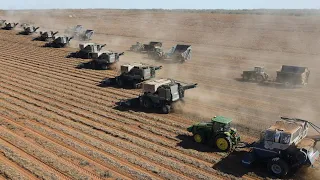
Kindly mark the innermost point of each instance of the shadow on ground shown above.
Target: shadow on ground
(187, 142)
(268, 84)
(232, 165)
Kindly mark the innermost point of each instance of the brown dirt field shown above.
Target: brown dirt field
(57, 123)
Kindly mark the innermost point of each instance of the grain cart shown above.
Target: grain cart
(46, 36)
(74, 31)
(85, 35)
(159, 94)
(9, 26)
(218, 130)
(59, 42)
(27, 30)
(133, 75)
(102, 60)
(257, 74)
(87, 50)
(284, 146)
(180, 53)
(293, 75)
(139, 47)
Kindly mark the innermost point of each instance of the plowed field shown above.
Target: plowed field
(57, 123)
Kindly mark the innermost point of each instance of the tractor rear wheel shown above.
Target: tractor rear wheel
(223, 143)
(259, 79)
(278, 167)
(198, 138)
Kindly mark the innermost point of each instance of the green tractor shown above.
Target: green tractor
(218, 129)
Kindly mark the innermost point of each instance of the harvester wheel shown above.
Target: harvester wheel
(135, 85)
(119, 81)
(165, 109)
(278, 167)
(146, 102)
(223, 143)
(198, 138)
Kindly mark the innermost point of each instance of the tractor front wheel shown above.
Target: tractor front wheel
(278, 167)
(198, 138)
(245, 78)
(223, 143)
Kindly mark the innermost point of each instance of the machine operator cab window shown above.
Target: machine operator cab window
(220, 127)
(258, 69)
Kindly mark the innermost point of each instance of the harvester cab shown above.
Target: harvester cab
(160, 94)
(284, 146)
(45, 36)
(59, 42)
(10, 26)
(133, 75)
(88, 50)
(29, 30)
(218, 130)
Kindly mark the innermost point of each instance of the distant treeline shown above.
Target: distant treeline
(290, 12)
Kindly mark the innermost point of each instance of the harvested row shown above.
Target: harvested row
(50, 81)
(82, 162)
(73, 97)
(29, 162)
(107, 150)
(44, 155)
(10, 170)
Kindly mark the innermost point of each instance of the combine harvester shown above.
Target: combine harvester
(284, 146)
(87, 50)
(46, 36)
(79, 34)
(289, 76)
(102, 61)
(179, 53)
(59, 42)
(133, 75)
(159, 94)
(9, 26)
(27, 30)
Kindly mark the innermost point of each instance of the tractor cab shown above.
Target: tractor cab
(258, 69)
(221, 124)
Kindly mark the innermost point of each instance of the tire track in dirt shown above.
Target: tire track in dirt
(11, 170)
(32, 134)
(107, 152)
(12, 149)
(86, 174)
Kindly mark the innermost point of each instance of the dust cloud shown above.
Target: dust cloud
(223, 46)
